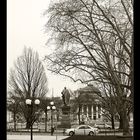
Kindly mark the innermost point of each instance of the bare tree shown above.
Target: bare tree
(28, 80)
(108, 103)
(94, 39)
(76, 103)
(58, 103)
(14, 107)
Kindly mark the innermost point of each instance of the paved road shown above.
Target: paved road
(35, 137)
(43, 137)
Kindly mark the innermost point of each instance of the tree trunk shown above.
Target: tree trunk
(14, 122)
(126, 130)
(124, 122)
(112, 121)
(46, 121)
(79, 116)
(57, 116)
(121, 122)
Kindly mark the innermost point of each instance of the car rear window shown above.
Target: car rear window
(82, 127)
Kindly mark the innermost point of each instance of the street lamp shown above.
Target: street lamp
(31, 103)
(51, 107)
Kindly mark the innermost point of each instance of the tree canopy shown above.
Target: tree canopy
(94, 44)
(27, 80)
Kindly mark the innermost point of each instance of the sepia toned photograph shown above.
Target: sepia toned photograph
(70, 70)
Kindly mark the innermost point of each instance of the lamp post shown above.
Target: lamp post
(46, 119)
(51, 107)
(31, 104)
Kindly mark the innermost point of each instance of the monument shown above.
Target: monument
(65, 122)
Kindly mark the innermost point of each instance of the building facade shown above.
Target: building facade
(90, 109)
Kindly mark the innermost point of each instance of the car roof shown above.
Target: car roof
(84, 125)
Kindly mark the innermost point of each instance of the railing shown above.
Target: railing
(40, 128)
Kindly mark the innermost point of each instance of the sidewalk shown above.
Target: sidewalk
(35, 137)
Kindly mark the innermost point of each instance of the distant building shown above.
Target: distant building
(91, 108)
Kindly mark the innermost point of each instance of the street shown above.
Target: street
(25, 136)
(35, 137)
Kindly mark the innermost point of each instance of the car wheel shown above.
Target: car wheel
(71, 133)
(91, 133)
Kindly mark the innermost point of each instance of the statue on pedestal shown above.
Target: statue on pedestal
(65, 96)
(65, 121)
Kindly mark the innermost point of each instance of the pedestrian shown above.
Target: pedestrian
(63, 132)
(52, 130)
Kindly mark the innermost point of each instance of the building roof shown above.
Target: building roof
(89, 94)
(89, 89)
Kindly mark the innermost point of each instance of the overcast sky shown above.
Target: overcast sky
(25, 27)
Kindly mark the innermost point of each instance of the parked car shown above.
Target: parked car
(103, 126)
(82, 130)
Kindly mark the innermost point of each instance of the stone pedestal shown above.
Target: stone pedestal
(65, 121)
